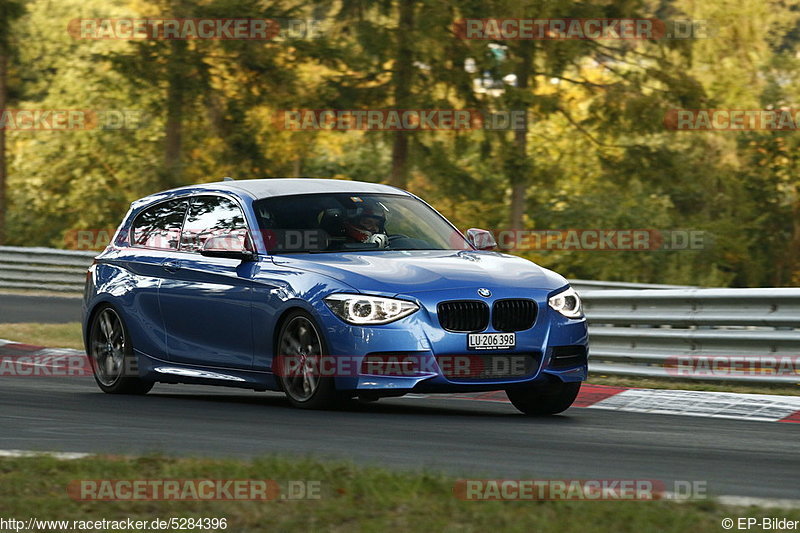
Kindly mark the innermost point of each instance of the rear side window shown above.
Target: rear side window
(211, 216)
(160, 226)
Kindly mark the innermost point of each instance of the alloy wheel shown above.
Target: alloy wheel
(300, 343)
(108, 347)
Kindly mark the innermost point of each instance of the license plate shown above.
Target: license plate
(491, 341)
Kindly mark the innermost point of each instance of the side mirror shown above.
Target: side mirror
(481, 239)
(230, 246)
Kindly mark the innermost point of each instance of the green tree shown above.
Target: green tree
(10, 11)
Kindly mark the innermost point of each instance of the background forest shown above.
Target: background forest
(595, 152)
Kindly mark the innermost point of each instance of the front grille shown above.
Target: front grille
(568, 356)
(487, 366)
(464, 315)
(513, 314)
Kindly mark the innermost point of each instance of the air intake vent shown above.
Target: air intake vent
(568, 356)
(466, 315)
(513, 315)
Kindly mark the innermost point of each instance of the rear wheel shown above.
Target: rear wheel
(111, 355)
(545, 398)
(301, 349)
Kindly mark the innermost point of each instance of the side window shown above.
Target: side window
(211, 216)
(159, 226)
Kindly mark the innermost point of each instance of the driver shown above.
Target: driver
(367, 226)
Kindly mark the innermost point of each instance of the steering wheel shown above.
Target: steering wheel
(396, 236)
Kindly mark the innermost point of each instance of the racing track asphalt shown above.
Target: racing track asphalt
(461, 437)
(18, 308)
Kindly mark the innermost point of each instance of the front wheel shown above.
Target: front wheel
(302, 351)
(111, 354)
(545, 398)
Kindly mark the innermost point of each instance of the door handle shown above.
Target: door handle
(172, 265)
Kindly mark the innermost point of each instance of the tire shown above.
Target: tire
(299, 342)
(545, 399)
(110, 353)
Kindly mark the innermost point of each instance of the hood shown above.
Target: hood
(408, 272)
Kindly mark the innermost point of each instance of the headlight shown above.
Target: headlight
(568, 303)
(360, 309)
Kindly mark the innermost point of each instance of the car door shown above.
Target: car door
(154, 238)
(206, 301)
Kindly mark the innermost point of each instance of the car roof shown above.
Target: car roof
(266, 188)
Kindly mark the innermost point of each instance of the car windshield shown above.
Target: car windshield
(353, 221)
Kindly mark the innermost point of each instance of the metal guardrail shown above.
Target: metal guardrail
(710, 334)
(45, 269)
(584, 285)
(634, 328)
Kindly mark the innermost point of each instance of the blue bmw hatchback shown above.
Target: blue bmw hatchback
(326, 290)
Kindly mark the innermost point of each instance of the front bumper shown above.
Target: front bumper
(557, 345)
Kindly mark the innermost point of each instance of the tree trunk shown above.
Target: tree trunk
(3, 186)
(790, 274)
(520, 171)
(173, 131)
(402, 76)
